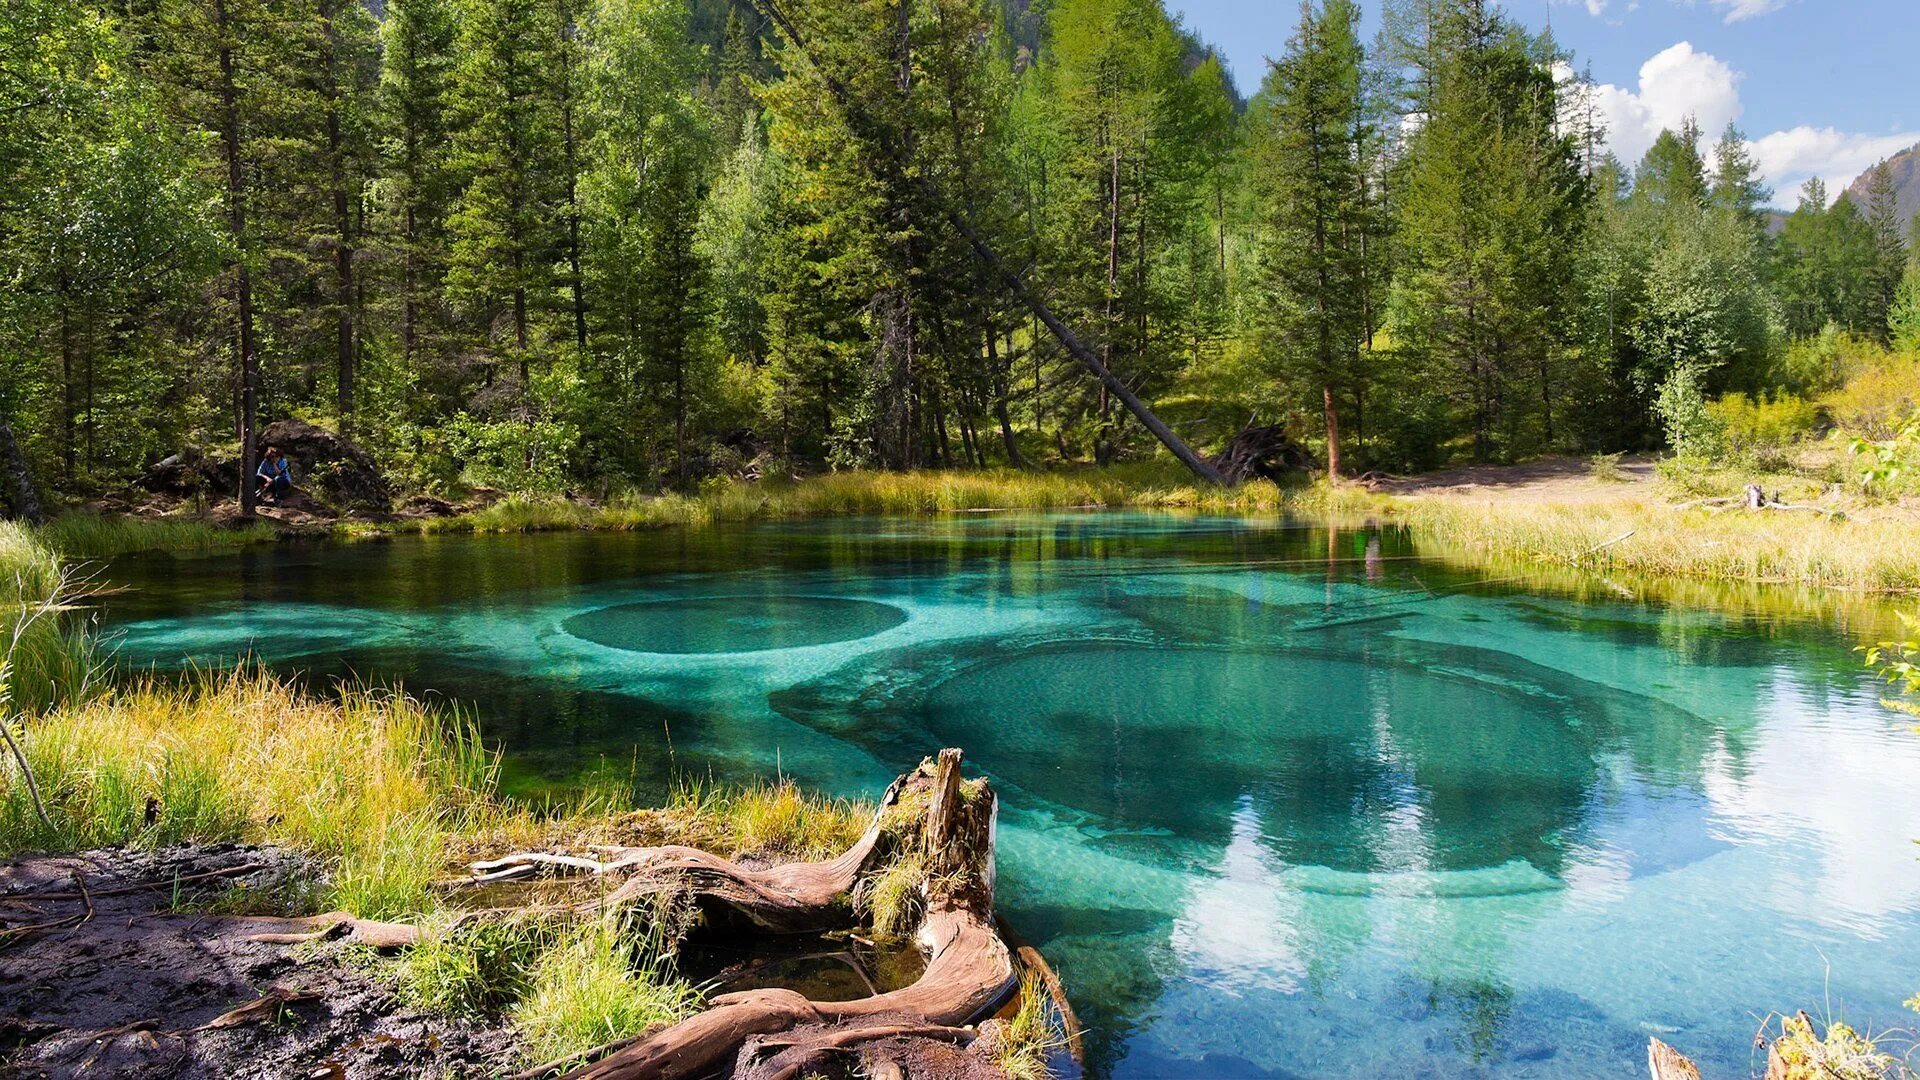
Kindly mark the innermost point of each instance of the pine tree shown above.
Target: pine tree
(1903, 318)
(1890, 247)
(1737, 187)
(1491, 202)
(1828, 263)
(416, 75)
(1672, 173)
(348, 75)
(508, 146)
(1312, 148)
(649, 159)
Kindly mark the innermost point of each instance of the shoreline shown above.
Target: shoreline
(1642, 527)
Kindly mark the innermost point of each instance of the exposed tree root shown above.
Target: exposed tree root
(970, 970)
(380, 935)
(789, 898)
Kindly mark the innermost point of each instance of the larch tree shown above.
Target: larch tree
(1313, 149)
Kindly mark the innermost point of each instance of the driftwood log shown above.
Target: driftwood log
(1666, 1063)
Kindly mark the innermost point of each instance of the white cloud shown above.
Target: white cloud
(1788, 158)
(1675, 83)
(1681, 81)
(1595, 8)
(1746, 9)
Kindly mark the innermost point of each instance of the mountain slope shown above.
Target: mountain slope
(1906, 183)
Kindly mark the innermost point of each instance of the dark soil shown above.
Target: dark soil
(124, 988)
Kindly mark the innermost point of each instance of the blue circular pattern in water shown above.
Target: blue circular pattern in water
(730, 624)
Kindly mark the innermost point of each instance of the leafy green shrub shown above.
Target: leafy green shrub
(1887, 463)
(1606, 468)
(521, 456)
(1692, 430)
(1828, 360)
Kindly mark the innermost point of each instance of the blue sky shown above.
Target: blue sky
(1822, 87)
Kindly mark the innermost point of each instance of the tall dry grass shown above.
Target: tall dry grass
(861, 493)
(374, 783)
(1646, 535)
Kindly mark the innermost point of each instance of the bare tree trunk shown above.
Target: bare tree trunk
(25, 503)
(68, 410)
(343, 291)
(1333, 434)
(575, 279)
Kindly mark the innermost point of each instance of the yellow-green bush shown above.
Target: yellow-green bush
(1876, 399)
(1753, 426)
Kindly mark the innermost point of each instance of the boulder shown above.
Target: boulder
(335, 469)
(193, 472)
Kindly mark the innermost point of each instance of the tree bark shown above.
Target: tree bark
(1333, 433)
(969, 972)
(343, 291)
(1666, 1063)
(20, 494)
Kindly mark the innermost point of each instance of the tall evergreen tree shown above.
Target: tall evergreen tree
(649, 159)
(1491, 202)
(1889, 243)
(1313, 153)
(509, 219)
(418, 178)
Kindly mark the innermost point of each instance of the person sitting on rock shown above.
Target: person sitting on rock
(274, 477)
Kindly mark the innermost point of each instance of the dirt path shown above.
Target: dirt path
(1555, 479)
(116, 984)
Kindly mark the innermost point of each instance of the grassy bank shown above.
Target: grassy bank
(390, 796)
(1634, 528)
(1642, 532)
(103, 536)
(852, 493)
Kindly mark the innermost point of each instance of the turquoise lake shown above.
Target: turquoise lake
(1279, 801)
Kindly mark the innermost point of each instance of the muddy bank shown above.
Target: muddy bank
(112, 964)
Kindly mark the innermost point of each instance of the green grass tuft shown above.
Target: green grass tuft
(1029, 1040)
(473, 970)
(103, 536)
(607, 979)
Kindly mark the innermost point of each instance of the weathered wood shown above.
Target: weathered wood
(795, 1057)
(1032, 960)
(1666, 1063)
(970, 970)
(788, 898)
(943, 811)
(379, 935)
